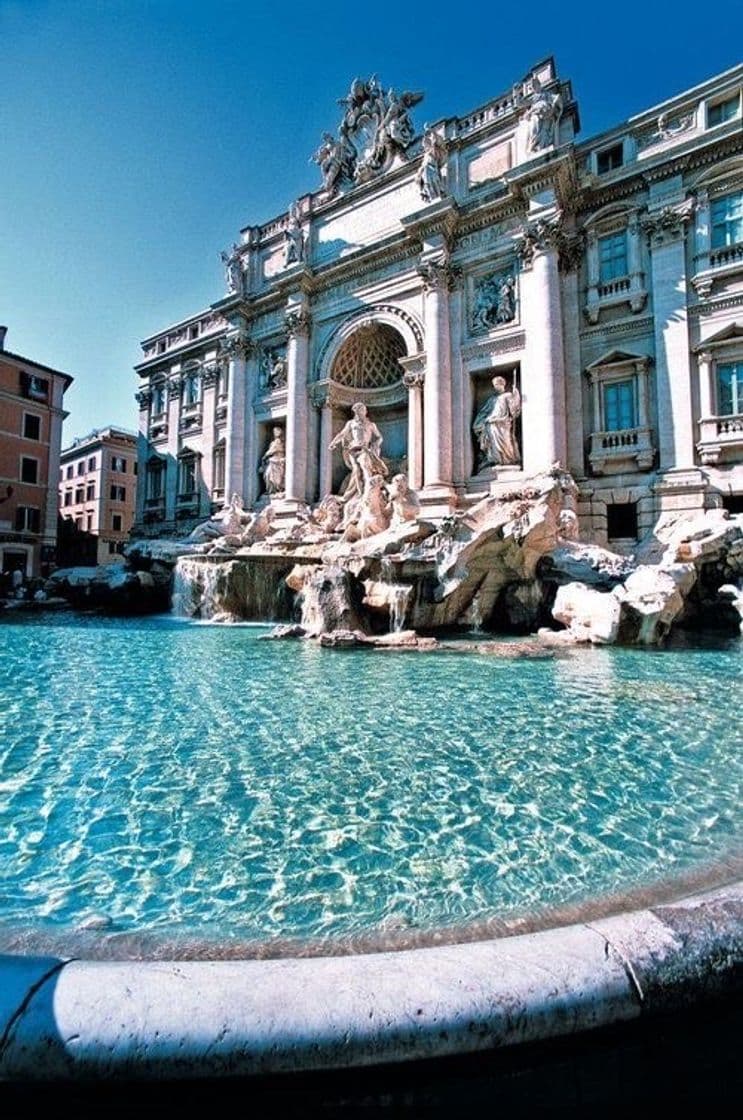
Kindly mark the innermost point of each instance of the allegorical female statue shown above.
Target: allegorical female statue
(494, 426)
(273, 464)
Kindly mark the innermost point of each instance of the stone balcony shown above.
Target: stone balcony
(628, 450)
(720, 439)
(715, 266)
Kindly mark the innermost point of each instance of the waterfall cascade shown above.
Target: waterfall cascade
(194, 588)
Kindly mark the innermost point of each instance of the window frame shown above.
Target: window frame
(31, 416)
(37, 463)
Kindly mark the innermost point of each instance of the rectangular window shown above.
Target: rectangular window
(116, 522)
(621, 521)
(155, 478)
(27, 519)
(118, 493)
(69, 471)
(619, 406)
(187, 476)
(218, 467)
(29, 469)
(31, 426)
(81, 467)
(722, 111)
(68, 497)
(610, 159)
(91, 464)
(158, 401)
(79, 522)
(118, 463)
(730, 389)
(192, 389)
(33, 387)
(727, 220)
(88, 522)
(612, 257)
(90, 492)
(79, 494)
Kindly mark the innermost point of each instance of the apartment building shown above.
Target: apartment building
(98, 487)
(31, 415)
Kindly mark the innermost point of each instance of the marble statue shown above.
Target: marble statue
(404, 501)
(329, 513)
(233, 271)
(429, 178)
(361, 442)
(494, 426)
(273, 464)
(335, 160)
(369, 512)
(226, 522)
(542, 118)
(294, 242)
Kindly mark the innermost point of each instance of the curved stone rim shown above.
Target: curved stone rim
(75, 1019)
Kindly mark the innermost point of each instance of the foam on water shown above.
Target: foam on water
(172, 777)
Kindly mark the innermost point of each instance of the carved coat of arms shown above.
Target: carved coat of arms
(375, 127)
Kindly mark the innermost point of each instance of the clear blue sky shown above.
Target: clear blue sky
(138, 136)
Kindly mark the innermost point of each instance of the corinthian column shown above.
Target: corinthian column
(297, 324)
(235, 350)
(438, 277)
(413, 380)
(324, 401)
(543, 376)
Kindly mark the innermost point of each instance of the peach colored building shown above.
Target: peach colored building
(31, 415)
(98, 487)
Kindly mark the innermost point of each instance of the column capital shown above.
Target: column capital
(209, 374)
(323, 394)
(236, 346)
(297, 322)
(143, 399)
(668, 223)
(439, 275)
(540, 236)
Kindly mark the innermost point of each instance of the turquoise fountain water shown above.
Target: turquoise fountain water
(181, 779)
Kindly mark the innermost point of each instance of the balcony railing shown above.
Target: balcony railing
(720, 437)
(727, 254)
(614, 287)
(626, 449)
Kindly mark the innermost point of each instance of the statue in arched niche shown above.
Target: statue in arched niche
(361, 442)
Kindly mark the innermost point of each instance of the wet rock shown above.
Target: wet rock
(589, 564)
(286, 630)
(343, 639)
(589, 615)
(112, 587)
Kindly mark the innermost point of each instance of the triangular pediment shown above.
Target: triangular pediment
(732, 333)
(616, 357)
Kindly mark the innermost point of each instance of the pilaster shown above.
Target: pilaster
(666, 230)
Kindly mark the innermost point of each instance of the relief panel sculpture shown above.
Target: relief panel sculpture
(493, 301)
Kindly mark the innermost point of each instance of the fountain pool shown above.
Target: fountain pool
(184, 786)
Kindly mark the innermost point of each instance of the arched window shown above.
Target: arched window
(369, 359)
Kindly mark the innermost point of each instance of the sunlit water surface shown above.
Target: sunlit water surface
(177, 778)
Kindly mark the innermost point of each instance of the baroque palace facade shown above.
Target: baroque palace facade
(597, 287)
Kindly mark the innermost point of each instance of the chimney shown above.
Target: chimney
(3, 332)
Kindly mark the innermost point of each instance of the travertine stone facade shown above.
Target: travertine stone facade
(601, 280)
(98, 488)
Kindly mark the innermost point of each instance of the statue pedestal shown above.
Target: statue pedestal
(285, 511)
(437, 500)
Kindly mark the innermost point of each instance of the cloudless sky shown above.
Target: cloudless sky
(138, 136)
